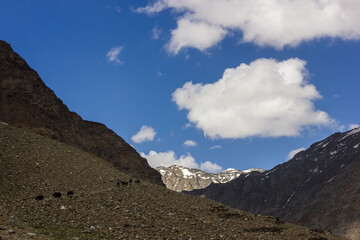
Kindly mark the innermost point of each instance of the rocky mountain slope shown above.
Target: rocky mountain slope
(33, 165)
(26, 102)
(318, 187)
(178, 178)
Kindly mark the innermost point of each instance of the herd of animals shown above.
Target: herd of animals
(126, 183)
(71, 193)
(55, 195)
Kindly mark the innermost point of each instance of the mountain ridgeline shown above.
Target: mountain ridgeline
(47, 151)
(179, 178)
(26, 102)
(318, 187)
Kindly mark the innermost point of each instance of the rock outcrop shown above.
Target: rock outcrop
(26, 102)
(178, 178)
(318, 187)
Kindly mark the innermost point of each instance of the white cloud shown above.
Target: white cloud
(145, 134)
(353, 126)
(187, 125)
(158, 6)
(166, 159)
(215, 147)
(265, 98)
(113, 55)
(210, 167)
(294, 152)
(190, 143)
(156, 32)
(275, 23)
(197, 34)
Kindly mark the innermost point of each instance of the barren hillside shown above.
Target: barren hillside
(33, 165)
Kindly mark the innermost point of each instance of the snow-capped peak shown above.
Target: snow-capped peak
(179, 178)
(351, 132)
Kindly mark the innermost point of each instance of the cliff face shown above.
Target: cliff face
(178, 178)
(26, 102)
(318, 188)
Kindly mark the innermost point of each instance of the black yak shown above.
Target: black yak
(57, 195)
(39, 197)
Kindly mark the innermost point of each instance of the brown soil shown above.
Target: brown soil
(33, 165)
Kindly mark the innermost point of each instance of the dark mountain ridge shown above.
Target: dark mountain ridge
(317, 188)
(26, 102)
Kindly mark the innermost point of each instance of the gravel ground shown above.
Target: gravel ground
(32, 165)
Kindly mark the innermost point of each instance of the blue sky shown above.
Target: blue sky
(242, 84)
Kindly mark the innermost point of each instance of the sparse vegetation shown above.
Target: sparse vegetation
(33, 165)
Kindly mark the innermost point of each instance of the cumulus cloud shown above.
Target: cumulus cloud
(210, 167)
(353, 126)
(294, 152)
(197, 34)
(145, 133)
(113, 55)
(215, 147)
(190, 143)
(166, 159)
(266, 98)
(277, 23)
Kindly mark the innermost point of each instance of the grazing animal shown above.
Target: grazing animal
(57, 194)
(39, 197)
(124, 183)
(70, 193)
(137, 181)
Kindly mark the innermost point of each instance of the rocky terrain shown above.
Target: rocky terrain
(178, 178)
(26, 102)
(318, 187)
(33, 165)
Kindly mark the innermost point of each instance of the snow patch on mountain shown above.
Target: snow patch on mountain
(352, 132)
(179, 178)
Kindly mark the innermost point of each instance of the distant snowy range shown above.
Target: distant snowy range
(179, 178)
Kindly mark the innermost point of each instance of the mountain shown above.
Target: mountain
(91, 206)
(26, 102)
(178, 178)
(318, 187)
